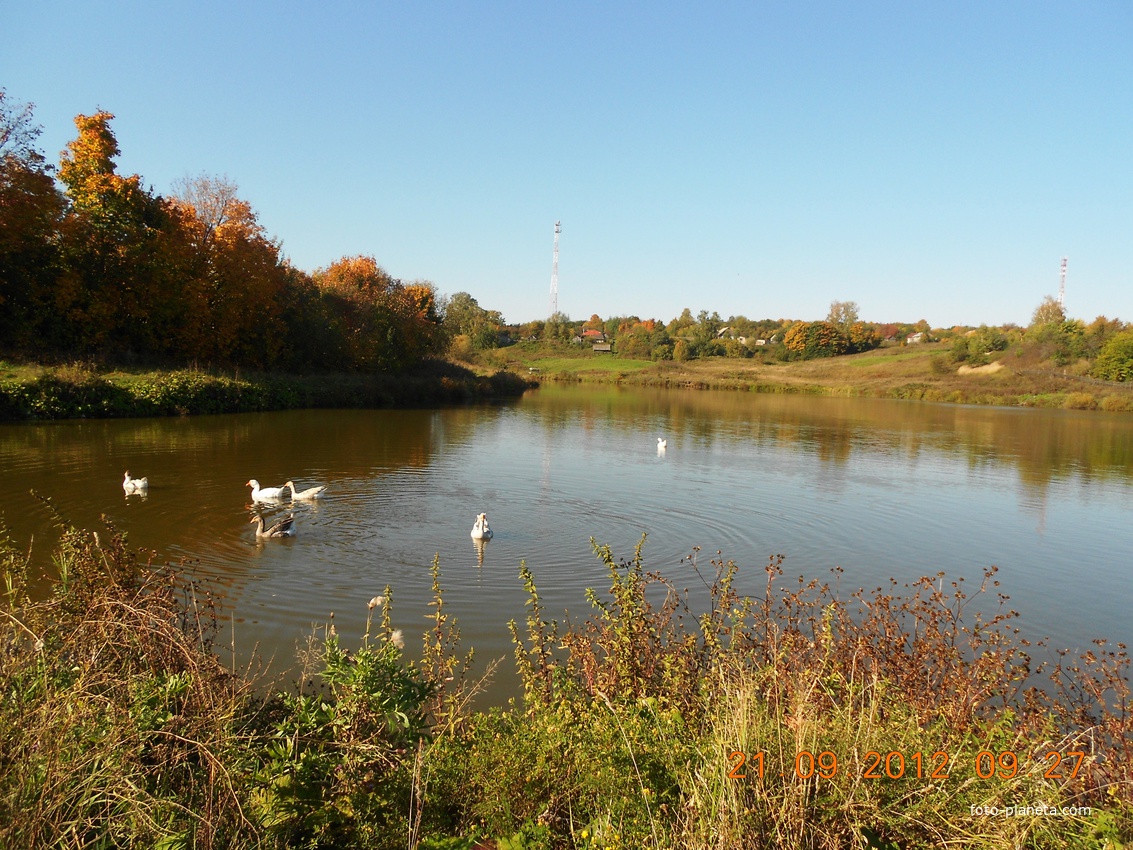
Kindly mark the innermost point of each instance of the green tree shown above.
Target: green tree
(1061, 342)
(1098, 333)
(559, 328)
(708, 327)
(1115, 360)
(681, 325)
(464, 316)
(977, 347)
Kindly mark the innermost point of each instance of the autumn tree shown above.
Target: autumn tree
(806, 340)
(234, 280)
(422, 322)
(861, 337)
(386, 325)
(112, 278)
(641, 339)
(30, 208)
(213, 201)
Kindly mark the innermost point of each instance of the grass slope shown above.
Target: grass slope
(924, 372)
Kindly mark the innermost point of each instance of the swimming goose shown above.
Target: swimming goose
(309, 493)
(662, 443)
(284, 528)
(481, 531)
(264, 494)
(134, 485)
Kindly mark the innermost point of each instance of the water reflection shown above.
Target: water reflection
(879, 488)
(1043, 445)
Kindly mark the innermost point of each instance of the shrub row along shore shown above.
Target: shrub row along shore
(893, 719)
(82, 391)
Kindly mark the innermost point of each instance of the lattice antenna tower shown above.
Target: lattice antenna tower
(1062, 285)
(555, 271)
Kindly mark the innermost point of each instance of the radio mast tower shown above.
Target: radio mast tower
(1062, 284)
(555, 271)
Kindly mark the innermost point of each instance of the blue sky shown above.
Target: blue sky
(929, 160)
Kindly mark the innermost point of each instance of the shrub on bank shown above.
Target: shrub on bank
(1080, 401)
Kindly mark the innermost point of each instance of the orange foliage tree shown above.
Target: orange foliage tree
(385, 324)
(235, 281)
(805, 340)
(112, 272)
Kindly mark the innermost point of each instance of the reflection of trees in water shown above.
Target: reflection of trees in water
(1044, 446)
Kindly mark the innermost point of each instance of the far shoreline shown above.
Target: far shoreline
(921, 372)
(82, 390)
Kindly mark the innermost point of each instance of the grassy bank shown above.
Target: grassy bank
(924, 372)
(800, 719)
(85, 391)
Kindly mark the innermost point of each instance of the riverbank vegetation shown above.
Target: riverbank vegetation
(903, 718)
(88, 391)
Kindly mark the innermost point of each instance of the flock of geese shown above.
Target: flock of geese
(286, 526)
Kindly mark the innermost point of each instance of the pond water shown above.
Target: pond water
(882, 489)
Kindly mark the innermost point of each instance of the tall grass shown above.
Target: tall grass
(798, 718)
(119, 720)
(854, 723)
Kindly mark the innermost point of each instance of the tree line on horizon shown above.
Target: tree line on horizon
(1102, 348)
(92, 263)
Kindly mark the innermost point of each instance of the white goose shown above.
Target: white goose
(481, 531)
(265, 494)
(283, 528)
(662, 444)
(309, 493)
(134, 485)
